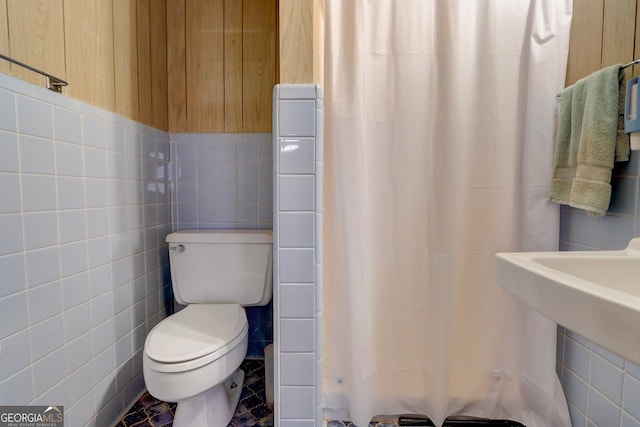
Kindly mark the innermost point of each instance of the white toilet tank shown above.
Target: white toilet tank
(229, 266)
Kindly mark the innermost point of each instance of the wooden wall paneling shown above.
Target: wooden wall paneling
(618, 32)
(176, 66)
(296, 41)
(144, 61)
(585, 45)
(88, 36)
(318, 41)
(159, 89)
(36, 37)
(258, 58)
(125, 58)
(4, 36)
(233, 75)
(205, 65)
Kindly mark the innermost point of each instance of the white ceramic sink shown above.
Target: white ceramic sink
(596, 294)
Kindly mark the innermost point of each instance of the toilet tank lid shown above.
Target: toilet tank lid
(220, 236)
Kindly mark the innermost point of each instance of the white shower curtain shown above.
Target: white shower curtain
(439, 143)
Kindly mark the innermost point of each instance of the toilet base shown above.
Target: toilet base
(213, 408)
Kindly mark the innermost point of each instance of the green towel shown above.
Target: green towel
(590, 138)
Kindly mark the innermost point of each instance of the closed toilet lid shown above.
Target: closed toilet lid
(194, 332)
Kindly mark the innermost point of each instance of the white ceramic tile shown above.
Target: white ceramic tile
(72, 225)
(297, 118)
(48, 371)
(78, 352)
(116, 165)
(297, 91)
(69, 159)
(123, 349)
(247, 172)
(575, 389)
(122, 324)
(296, 230)
(319, 240)
(34, 117)
(71, 193)
(36, 155)
(297, 423)
(73, 258)
(13, 276)
(17, 389)
(297, 265)
(8, 116)
(9, 149)
(44, 301)
(296, 155)
(93, 132)
(602, 411)
(101, 309)
(66, 125)
(11, 229)
(40, 229)
(296, 193)
(124, 374)
(632, 369)
(42, 266)
(77, 321)
(226, 147)
(16, 354)
(103, 364)
(99, 251)
(629, 421)
(96, 191)
(297, 402)
(9, 193)
(297, 301)
(615, 232)
(607, 378)
(115, 139)
(297, 369)
(95, 162)
(577, 358)
(247, 213)
(297, 335)
(102, 337)
(631, 396)
(75, 290)
(38, 192)
(247, 151)
(79, 383)
(46, 337)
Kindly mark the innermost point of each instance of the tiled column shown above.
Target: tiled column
(297, 129)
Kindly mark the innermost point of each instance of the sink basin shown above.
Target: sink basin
(596, 294)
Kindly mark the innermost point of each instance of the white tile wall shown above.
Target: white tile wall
(297, 143)
(602, 388)
(82, 255)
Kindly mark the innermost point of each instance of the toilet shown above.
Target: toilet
(192, 357)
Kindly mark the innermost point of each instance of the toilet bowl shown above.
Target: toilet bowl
(187, 353)
(192, 357)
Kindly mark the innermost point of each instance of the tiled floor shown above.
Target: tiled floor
(252, 409)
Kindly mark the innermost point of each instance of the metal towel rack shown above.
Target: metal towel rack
(629, 64)
(53, 83)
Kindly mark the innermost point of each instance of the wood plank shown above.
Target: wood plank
(4, 36)
(296, 41)
(125, 58)
(618, 31)
(205, 65)
(585, 44)
(259, 67)
(318, 41)
(89, 51)
(233, 76)
(636, 52)
(36, 37)
(144, 61)
(159, 90)
(177, 66)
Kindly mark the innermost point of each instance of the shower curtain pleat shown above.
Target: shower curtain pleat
(439, 145)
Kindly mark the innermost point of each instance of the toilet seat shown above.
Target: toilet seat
(195, 336)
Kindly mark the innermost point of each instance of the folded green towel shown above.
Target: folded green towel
(590, 138)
